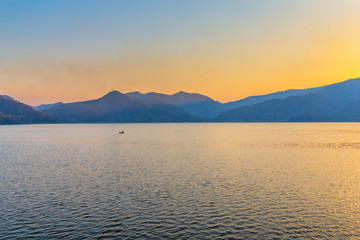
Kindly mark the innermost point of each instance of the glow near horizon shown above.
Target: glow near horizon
(78, 50)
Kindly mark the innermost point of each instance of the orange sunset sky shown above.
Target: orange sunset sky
(78, 50)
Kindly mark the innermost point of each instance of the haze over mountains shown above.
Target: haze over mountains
(336, 102)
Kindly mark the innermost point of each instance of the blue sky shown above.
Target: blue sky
(71, 50)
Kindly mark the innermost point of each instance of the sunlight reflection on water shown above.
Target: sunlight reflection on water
(180, 181)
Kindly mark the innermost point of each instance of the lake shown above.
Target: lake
(180, 181)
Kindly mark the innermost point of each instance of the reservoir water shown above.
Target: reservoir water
(180, 181)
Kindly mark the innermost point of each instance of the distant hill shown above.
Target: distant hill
(118, 107)
(195, 104)
(14, 112)
(281, 110)
(277, 95)
(344, 92)
(336, 102)
(43, 107)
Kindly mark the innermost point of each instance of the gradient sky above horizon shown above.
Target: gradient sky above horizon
(63, 50)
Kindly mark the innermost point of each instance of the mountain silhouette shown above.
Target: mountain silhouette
(194, 103)
(276, 95)
(345, 92)
(7, 97)
(43, 107)
(281, 110)
(335, 102)
(14, 112)
(118, 107)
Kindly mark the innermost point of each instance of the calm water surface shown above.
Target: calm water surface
(180, 181)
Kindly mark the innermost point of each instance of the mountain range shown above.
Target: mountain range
(335, 102)
(118, 107)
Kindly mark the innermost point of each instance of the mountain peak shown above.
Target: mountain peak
(185, 97)
(7, 97)
(113, 94)
(136, 92)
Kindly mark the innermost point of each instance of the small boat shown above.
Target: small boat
(121, 132)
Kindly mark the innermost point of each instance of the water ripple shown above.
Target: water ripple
(224, 182)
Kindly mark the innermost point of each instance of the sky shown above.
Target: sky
(65, 50)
